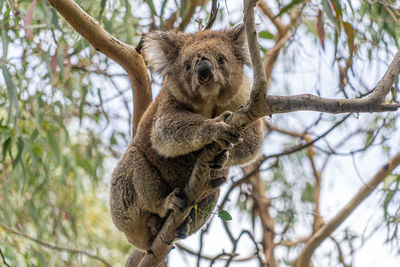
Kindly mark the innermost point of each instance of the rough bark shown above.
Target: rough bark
(122, 53)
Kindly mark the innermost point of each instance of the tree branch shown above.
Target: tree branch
(122, 53)
(259, 105)
(213, 15)
(262, 205)
(40, 242)
(211, 258)
(304, 259)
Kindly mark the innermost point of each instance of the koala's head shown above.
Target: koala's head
(200, 65)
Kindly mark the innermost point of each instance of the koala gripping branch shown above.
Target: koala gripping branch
(260, 105)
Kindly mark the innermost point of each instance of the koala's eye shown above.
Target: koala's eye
(187, 66)
(221, 59)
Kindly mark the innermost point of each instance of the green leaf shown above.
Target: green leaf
(53, 142)
(266, 35)
(224, 215)
(308, 193)
(20, 149)
(350, 32)
(12, 93)
(207, 211)
(328, 11)
(289, 6)
(102, 6)
(85, 164)
(6, 147)
(195, 213)
(151, 6)
(60, 61)
(389, 180)
(338, 9)
(81, 105)
(5, 42)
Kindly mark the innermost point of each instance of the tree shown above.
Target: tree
(60, 129)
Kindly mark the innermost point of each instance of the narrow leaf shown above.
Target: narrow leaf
(350, 32)
(151, 6)
(20, 149)
(289, 6)
(328, 11)
(224, 215)
(6, 147)
(11, 91)
(28, 20)
(308, 193)
(266, 35)
(320, 29)
(81, 105)
(207, 211)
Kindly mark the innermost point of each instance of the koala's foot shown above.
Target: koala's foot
(214, 183)
(183, 230)
(175, 201)
(155, 223)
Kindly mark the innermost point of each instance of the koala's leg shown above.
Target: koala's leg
(137, 192)
(126, 213)
(247, 149)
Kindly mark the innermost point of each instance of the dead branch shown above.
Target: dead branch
(260, 105)
(262, 205)
(304, 259)
(122, 53)
(213, 258)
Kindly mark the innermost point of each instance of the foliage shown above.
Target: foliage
(65, 117)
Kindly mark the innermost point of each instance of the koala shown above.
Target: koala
(203, 82)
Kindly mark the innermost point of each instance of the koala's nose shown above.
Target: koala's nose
(204, 71)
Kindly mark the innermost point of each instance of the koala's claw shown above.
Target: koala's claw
(214, 183)
(225, 116)
(183, 230)
(219, 161)
(177, 200)
(226, 135)
(155, 223)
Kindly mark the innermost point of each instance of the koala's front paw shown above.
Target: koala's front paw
(177, 200)
(219, 161)
(216, 182)
(224, 134)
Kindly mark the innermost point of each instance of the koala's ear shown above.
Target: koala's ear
(237, 35)
(160, 49)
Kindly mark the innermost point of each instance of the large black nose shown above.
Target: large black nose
(204, 71)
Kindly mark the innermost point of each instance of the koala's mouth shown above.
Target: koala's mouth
(209, 87)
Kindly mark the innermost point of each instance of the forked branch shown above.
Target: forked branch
(304, 259)
(261, 104)
(122, 53)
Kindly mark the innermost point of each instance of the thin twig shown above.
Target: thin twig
(213, 14)
(304, 259)
(213, 258)
(4, 259)
(55, 247)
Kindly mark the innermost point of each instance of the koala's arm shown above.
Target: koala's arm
(179, 132)
(248, 148)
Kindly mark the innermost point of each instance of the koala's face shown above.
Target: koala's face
(199, 65)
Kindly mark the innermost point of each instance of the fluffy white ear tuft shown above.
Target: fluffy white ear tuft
(160, 49)
(237, 35)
